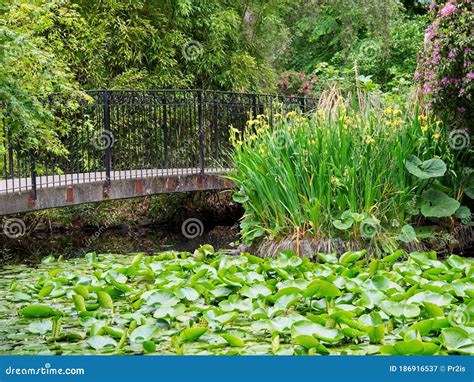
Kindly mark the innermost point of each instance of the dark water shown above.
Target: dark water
(31, 248)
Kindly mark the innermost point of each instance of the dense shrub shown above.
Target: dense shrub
(297, 84)
(446, 67)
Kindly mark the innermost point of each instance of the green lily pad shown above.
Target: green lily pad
(311, 329)
(232, 340)
(101, 342)
(40, 327)
(192, 334)
(143, 333)
(457, 340)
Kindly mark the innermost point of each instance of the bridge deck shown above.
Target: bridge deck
(72, 189)
(50, 181)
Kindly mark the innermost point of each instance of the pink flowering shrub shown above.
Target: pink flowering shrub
(446, 67)
(297, 84)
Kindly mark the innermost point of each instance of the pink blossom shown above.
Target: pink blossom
(462, 91)
(461, 109)
(448, 9)
(452, 54)
(427, 88)
(467, 50)
(445, 80)
(432, 6)
(437, 58)
(470, 75)
(417, 76)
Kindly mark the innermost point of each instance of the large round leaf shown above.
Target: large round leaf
(437, 204)
(431, 168)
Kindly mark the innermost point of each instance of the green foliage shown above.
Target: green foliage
(84, 44)
(344, 173)
(154, 44)
(384, 45)
(283, 306)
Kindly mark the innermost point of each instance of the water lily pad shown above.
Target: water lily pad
(143, 333)
(255, 291)
(160, 297)
(428, 296)
(322, 288)
(40, 311)
(397, 309)
(458, 340)
(311, 329)
(192, 334)
(40, 327)
(232, 340)
(101, 342)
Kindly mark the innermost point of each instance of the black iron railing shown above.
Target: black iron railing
(109, 135)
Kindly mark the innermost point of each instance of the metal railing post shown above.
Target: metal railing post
(201, 132)
(10, 155)
(216, 131)
(106, 131)
(303, 104)
(254, 105)
(165, 132)
(33, 174)
(271, 111)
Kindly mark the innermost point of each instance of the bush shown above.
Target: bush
(446, 67)
(297, 84)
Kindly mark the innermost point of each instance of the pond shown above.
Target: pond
(210, 302)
